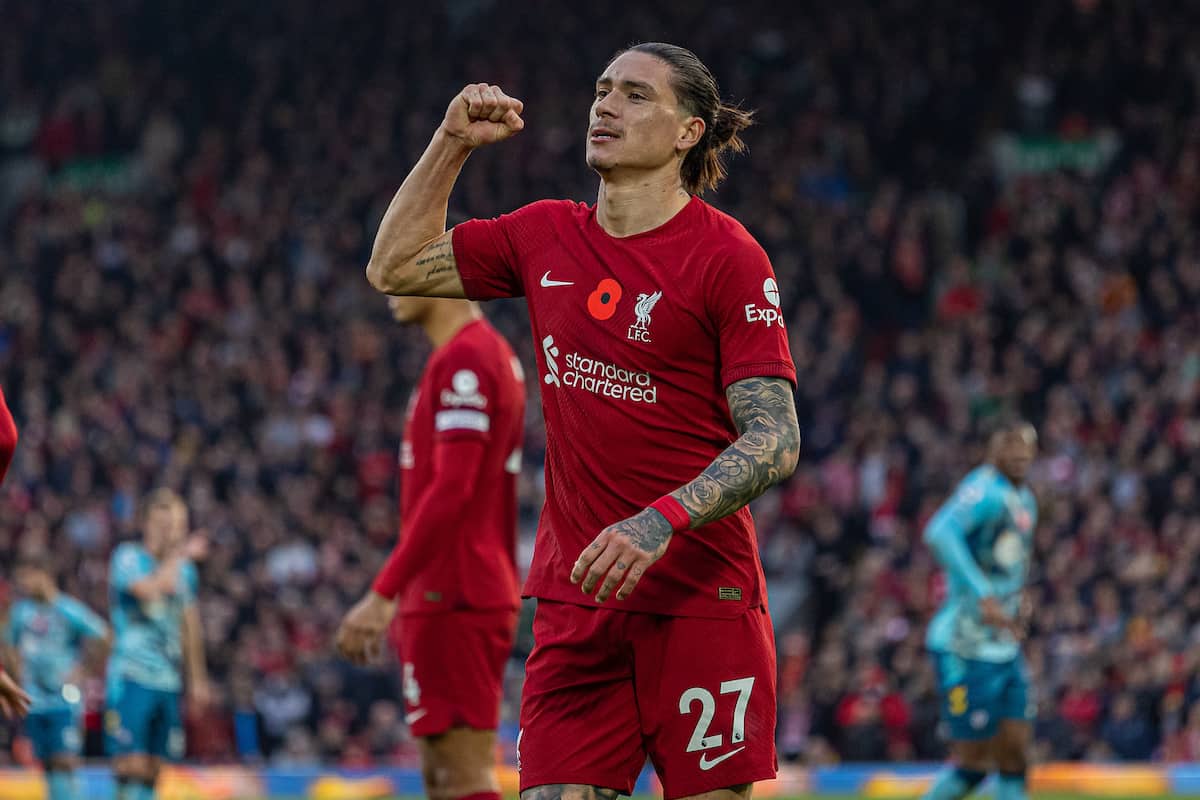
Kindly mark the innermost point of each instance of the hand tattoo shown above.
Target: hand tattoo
(648, 530)
(764, 412)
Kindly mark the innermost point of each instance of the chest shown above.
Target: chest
(1005, 543)
(43, 630)
(628, 307)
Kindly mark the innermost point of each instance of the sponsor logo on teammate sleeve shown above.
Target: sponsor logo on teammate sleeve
(770, 315)
(464, 391)
(462, 420)
(463, 405)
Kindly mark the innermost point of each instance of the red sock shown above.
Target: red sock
(481, 796)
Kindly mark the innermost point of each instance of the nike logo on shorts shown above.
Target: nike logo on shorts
(706, 765)
(546, 282)
(413, 716)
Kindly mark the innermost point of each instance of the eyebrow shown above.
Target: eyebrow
(627, 85)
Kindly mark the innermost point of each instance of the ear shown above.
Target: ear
(690, 134)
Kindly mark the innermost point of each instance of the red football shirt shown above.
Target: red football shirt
(8, 437)
(459, 463)
(637, 339)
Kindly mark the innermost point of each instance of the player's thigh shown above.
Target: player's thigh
(973, 754)
(706, 692)
(579, 713)
(458, 763)
(167, 740)
(128, 719)
(61, 741)
(569, 791)
(1010, 747)
(452, 668)
(972, 698)
(742, 792)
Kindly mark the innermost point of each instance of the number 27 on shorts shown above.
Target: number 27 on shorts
(701, 739)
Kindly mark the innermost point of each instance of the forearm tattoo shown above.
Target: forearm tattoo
(764, 412)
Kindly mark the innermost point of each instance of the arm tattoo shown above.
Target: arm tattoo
(569, 791)
(437, 259)
(764, 412)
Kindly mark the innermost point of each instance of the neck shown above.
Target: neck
(47, 594)
(1016, 484)
(451, 317)
(641, 202)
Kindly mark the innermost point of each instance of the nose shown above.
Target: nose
(606, 107)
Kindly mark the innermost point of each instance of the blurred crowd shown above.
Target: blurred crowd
(970, 207)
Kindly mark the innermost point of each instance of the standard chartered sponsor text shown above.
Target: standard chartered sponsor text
(608, 380)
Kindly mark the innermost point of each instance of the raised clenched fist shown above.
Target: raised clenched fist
(482, 114)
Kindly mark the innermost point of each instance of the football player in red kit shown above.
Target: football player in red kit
(667, 390)
(458, 467)
(14, 702)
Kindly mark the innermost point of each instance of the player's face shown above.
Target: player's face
(636, 121)
(30, 581)
(166, 527)
(1015, 451)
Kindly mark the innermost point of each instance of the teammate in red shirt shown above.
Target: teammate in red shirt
(458, 464)
(14, 702)
(667, 390)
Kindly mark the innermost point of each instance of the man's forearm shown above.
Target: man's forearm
(766, 452)
(162, 581)
(415, 217)
(193, 639)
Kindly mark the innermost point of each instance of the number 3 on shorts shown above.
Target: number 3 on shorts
(958, 701)
(701, 739)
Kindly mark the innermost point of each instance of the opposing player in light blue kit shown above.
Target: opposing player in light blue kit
(46, 631)
(152, 591)
(983, 536)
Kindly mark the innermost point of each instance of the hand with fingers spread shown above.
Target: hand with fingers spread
(483, 114)
(14, 702)
(620, 555)
(360, 635)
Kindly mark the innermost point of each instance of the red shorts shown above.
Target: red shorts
(605, 689)
(453, 668)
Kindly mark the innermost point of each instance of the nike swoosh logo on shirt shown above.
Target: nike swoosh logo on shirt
(548, 283)
(706, 765)
(413, 716)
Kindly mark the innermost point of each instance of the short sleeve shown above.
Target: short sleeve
(972, 505)
(84, 621)
(744, 304)
(489, 252)
(127, 568)
(464, 397)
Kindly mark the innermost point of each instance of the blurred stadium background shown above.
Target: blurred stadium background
(969, 206)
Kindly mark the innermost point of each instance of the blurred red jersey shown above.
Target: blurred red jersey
(459, 463)
(8, 437)
(637, 339)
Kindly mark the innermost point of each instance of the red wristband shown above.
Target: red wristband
(674, 511)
